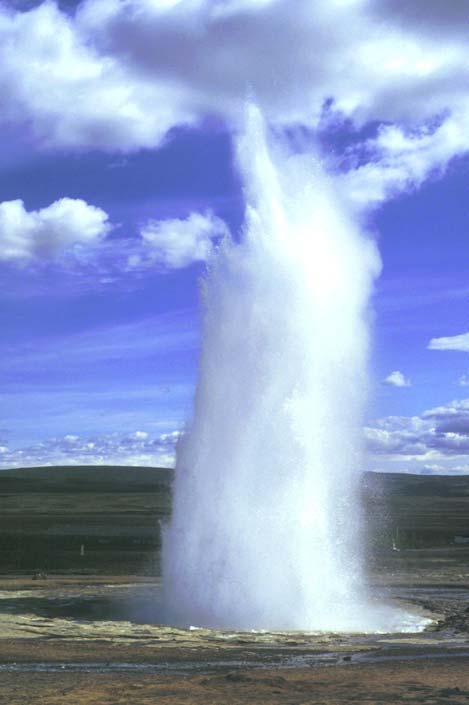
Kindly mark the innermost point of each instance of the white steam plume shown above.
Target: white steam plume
(265, 530)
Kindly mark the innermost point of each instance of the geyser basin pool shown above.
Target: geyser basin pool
(90, 659)
(130, 611)
(383, 617)
(266, 530)
(390, 620)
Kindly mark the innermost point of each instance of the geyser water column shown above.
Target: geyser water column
(265, 531)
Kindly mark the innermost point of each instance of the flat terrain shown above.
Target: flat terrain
(83, 519)
(89, 629)
(94, 640)
(107, 520)
(430, 683)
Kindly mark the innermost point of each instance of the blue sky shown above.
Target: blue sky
(422, 292)
(91, 349)
(101, 333)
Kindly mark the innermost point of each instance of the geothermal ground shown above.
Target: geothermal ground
(72, 631)
(96, 640)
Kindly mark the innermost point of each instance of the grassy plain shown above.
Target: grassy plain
(79, 629)
(108, 520)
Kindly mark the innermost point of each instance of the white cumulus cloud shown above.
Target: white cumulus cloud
(138, 448)
(397, 379)
(454, 342)
(55, 83)
(176, 243)
(28, 234)
(119, 74)
(438, 440)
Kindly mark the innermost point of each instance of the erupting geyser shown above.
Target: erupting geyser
(265, 532)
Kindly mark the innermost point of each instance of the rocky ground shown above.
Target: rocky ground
(433, 682)
(92, 640)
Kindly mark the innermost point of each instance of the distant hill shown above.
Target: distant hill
(418, 510)
(125, 478)
(91, 518)
(107, 519)
(406, 484)
(85, 478)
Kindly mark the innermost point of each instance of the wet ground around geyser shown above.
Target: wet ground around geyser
(96, 640)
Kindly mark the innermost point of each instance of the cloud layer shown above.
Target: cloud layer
(120, 75)
(435, 441)
(137, 448)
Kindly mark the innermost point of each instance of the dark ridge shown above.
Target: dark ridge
(85, 478)
(108, 519)
(417, 485)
